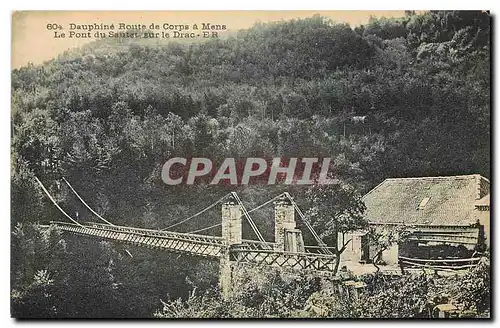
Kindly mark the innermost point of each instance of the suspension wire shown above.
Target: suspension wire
(302, 216)
(81, 199)
(318, 239)
(309, 226)
(249, 219)
(202, 229)
(253, 209)
(306, 221)
(264, 204)
(55, 203)
(195, 215)
(313, 232)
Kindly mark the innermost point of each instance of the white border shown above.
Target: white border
(189, 5)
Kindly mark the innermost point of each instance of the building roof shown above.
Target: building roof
(427, 200)
(485, 201)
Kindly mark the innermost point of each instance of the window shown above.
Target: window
(423, 203)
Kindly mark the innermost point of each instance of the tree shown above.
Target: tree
(37, 300)
(273, 293)
(474, 288)
(382, 239)
(37, 271)
(107, 115)
(338, 209)
(393, 297)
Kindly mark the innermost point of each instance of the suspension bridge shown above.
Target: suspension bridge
(287, 249)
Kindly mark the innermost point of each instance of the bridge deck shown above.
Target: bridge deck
(201, 245)
(173, 241)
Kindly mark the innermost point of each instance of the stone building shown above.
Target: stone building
(448, 217)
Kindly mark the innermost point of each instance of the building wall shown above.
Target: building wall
(484, 221)
(357, 250)
(353, 252)
(390, 256)
(484, 188)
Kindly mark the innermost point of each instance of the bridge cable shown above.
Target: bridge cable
(253, 209)
(80, 198)
(264, 204)
(320, 242)
(249, 219)
(318, 239)
(202, 229)
(302, 216)
(307, 223)
(195, 215)
(55, 203)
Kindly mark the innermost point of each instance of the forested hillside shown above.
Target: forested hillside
(107, 116)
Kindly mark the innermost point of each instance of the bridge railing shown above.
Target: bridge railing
(145, 232)
(246, 244)
(319, 262)
(440, 264)
(253, 245)
(248, 251)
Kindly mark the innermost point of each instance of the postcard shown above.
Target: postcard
(251, 164)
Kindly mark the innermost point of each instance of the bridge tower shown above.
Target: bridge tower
(286, 235)
(232, 215)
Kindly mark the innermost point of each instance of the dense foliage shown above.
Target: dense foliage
(107, 116)
(336, 209)
(275, 294)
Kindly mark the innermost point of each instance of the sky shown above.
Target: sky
(33, 41)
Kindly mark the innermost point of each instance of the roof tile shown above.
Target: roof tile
(451, 200)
